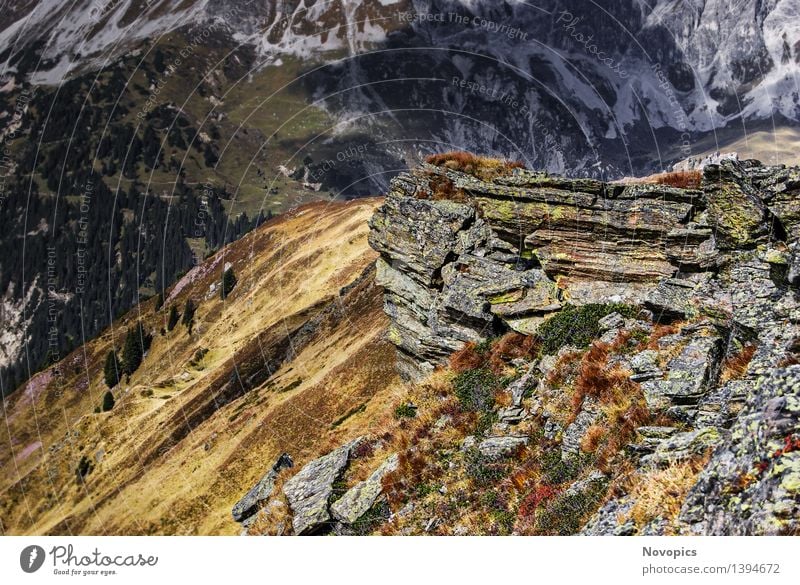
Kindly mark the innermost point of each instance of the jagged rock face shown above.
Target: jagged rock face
(492, 255)
(752, 483)
(505, 258)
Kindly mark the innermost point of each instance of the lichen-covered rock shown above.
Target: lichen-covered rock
(751, 485)
(261, 491)
(460, 271)
(611, 519)
(734, 209)
(497, 447)
(595, 481)
(573, 435)
(688, 374)
(645, 366)
(518, 388)
(361, 497)
(672, 297)
(779, 187)
(683, 446)
(309, 491)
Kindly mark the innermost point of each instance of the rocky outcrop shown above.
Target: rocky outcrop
(361, 497)
(477, 257)
(709, 402)
(260, 493)
(309, 492)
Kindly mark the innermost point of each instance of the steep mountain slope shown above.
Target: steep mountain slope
(296, 346)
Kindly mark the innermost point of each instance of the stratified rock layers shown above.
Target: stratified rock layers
(505, 253)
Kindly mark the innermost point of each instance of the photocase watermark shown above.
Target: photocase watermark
(65, 561)
(351, 153)
(173, 65)
(518, 105)
(194, 40)
(31, 558)
(479, 22)
(569, 23)
(100, 9)
(52, 304)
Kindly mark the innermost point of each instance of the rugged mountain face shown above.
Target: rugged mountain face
(511, 250)
(566, 85)
(686, 298)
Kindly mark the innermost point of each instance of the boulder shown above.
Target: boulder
(611, 519)
(735, 211)
(682, 446)
(361, 497)
(573, 434)
(309, 491)
(688, 375)
(645, 366)
(498, 447)
(518, 387)
(261, 491)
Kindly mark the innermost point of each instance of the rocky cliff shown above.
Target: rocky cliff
(685, 297)
(463, 258)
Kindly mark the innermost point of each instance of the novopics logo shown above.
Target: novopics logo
(31, 558)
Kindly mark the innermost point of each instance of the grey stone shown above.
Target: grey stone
(497, 447)
(671, 298)
(361, 497)
(682, 446)
(511, 414)
(595, 481)
(261, 491)
(688, 375)
(573, 434)
(610, 519)
(309, 490)
(645, 366)
(652, 432)
(518, 387)
(611, 321)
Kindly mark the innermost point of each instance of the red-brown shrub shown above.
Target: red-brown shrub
(680, 179)
(466, 358)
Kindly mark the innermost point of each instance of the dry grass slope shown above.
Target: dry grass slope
(294, 347)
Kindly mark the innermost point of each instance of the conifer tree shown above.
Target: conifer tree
(111, 371)
(228, 282)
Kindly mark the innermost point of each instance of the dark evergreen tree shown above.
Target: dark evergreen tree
(228, 282)
(111, 371)
(159, 301)
(108, 401)
(136, 343)
(188, 314)
(173, 318)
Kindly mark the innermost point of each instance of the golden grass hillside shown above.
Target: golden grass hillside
(295, 347)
